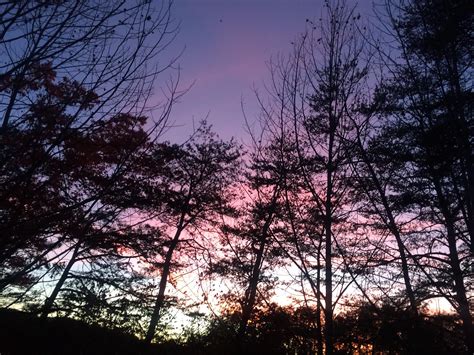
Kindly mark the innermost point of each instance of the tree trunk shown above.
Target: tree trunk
(393, 229)
(155, 317)
(459, 288)
(319, 334)
(328, 314)
(50, 300)
(251, 291)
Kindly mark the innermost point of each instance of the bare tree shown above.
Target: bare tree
(75, 79)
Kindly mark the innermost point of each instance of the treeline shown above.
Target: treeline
(355, 193)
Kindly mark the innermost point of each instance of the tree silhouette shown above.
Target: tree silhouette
(314, 90)
(74, 88)
(428, 135)
(198, 191)
(356, 196)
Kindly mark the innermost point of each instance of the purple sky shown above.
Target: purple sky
(228, 43)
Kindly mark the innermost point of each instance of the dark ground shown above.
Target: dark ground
(23, 333)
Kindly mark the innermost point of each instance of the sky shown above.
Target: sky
(227, 45)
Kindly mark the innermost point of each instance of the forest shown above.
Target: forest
(343, 223)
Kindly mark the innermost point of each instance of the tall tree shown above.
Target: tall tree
(429, 133)
(199, 191)
(319, 86)
(370, 186)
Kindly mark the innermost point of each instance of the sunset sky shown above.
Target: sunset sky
(236, 177)
(227, 46)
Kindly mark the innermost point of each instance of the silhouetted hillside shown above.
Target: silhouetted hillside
(23, 333)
